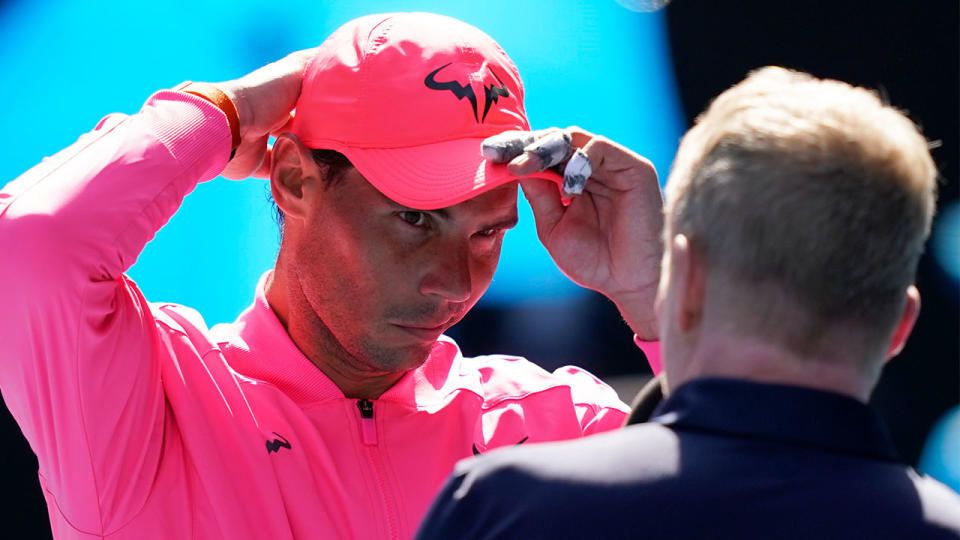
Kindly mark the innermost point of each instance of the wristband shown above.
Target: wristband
(223, 102)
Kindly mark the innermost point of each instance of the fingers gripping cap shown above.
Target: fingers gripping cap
(408, 98)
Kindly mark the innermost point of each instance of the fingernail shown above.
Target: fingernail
(552, 149)
(576, 173)
(523, 162)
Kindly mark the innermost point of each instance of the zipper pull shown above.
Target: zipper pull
(367, 427)
(366, 408)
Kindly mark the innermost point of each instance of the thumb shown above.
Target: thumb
(544, 198)
(284, 125)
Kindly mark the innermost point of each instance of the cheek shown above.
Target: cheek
(341, 270)
(482, 268)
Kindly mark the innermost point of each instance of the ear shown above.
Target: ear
(911, 309)
(689, 281)
(293, 175)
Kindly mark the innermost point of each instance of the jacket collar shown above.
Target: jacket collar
(791, 414)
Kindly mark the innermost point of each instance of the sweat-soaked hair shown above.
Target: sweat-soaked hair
(334, 163)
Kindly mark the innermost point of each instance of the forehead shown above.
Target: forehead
(497, 199)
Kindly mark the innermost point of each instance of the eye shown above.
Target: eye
(490, 236)
(416, 219)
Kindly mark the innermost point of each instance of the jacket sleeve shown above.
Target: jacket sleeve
(79, 360)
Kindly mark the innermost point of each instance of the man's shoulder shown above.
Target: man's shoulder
(624, 458)
(589, 487)
(637, 480)
(507, 377)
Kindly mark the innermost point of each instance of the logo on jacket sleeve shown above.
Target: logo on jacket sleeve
(491, 92)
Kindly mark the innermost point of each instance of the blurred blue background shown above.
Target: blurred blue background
(592, 64)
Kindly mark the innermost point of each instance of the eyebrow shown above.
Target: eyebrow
(508, 222)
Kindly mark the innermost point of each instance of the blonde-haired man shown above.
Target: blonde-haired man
(796, 212)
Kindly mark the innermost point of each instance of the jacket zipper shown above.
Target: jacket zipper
(368, 432)
(367, 426)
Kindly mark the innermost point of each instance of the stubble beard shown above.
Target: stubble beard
(366, 352)
(378, 357)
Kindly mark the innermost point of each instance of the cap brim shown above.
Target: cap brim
(434, 175)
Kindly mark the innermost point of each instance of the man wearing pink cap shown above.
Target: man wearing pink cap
(333, 406)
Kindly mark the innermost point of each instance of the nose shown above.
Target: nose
(449, 275)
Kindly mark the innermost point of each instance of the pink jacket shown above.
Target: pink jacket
(148, 425)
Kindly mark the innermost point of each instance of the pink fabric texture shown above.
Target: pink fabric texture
(149, 425)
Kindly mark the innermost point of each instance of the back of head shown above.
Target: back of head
(809, 201)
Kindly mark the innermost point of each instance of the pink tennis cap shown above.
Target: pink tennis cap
(408, 98)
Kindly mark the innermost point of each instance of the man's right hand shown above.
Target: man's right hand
(608, 237)
(264, 101)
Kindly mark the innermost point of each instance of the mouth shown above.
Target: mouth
(425, 331)
(423, 334)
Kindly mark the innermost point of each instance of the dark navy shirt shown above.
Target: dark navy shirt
(721, 458)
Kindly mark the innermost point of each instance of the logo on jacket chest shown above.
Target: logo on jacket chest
(278, 443)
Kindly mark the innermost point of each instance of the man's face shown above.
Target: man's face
(382, 281)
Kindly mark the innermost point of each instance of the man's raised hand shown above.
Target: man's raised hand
(606, 238)
(264, 99)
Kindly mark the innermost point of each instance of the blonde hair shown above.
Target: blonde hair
(809, 184)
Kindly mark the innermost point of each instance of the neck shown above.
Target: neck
(314, 340)
(738, 357)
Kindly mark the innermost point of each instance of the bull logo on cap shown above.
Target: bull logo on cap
(491, 93)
